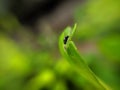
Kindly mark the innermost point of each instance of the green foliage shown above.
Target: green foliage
(30, 62)
(69, 51)
(96, 17)
(110, 46)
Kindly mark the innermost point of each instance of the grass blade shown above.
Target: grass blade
(69, 51)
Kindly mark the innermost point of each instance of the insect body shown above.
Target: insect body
(65, 39)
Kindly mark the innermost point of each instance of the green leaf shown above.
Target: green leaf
(69, 51)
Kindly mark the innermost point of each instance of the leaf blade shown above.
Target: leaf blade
(69, 51)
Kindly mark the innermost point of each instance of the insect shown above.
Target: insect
(65, 39)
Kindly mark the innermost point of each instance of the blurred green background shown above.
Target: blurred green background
(30, 57)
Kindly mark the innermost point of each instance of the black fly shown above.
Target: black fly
(65, 39)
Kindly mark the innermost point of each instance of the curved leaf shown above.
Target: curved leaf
(69, 51)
